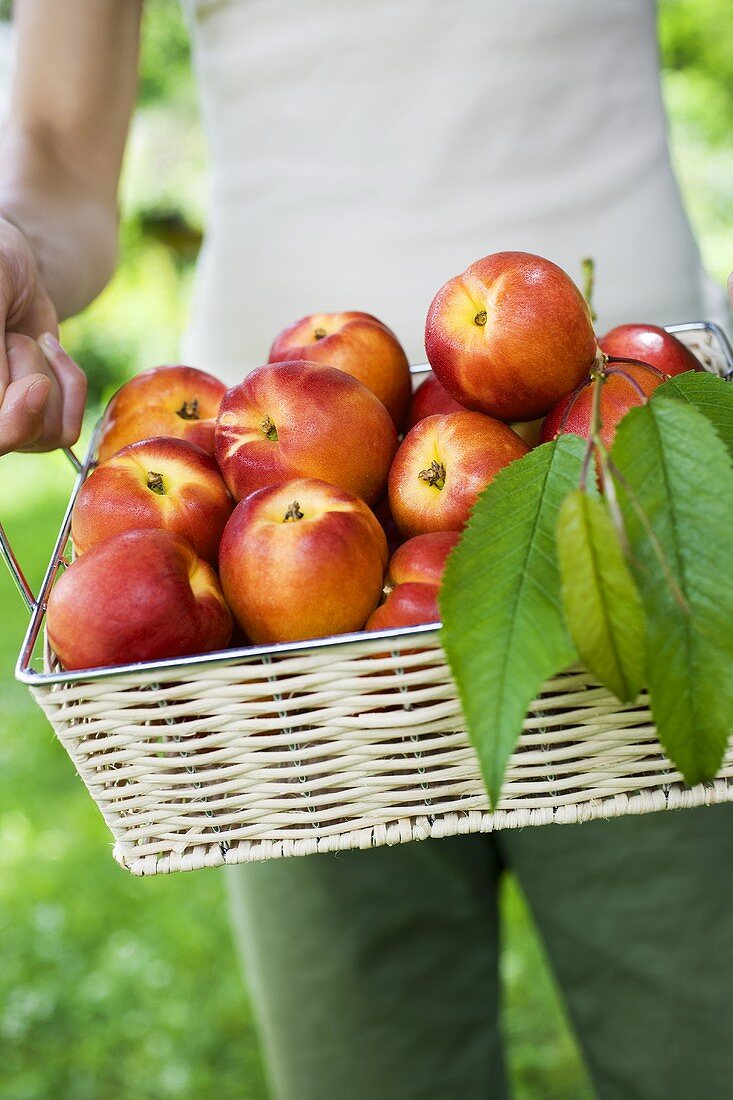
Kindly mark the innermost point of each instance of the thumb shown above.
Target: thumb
(21, 413)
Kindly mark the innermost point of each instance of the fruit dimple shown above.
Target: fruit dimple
(434, 475)
(189, 410)
(268, 429)
(293, 513)
(155, 482)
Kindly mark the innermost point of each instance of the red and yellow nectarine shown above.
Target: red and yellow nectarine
(443, 464)
(356, 343)
(431, 398)
(181, 402)
(302, 559)
(161, 482)
(572, 415)
(300, 419)
(510, 336)
(408, 604)
(138, 596)
(422, 559)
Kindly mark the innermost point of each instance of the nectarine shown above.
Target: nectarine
(302, 559)
(356, 343)
(181, 402)
(443, 464)
(421, 560)
(650, 344)
(510, 336)
(408, 604)
(572, 415)
(138, 596)
(161, 482)
(431, 398)
(301, 419)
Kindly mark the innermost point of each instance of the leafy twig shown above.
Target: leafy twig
(588, 266)
(614, 508)
(598, 377)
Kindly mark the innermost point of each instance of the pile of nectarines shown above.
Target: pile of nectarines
(272, 504)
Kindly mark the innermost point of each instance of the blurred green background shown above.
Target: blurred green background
(129, 990)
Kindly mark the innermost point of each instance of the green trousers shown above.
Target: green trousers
(374, 973)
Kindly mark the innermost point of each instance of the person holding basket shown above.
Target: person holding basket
(358, 153)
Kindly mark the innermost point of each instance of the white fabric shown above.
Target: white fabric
(364, 151)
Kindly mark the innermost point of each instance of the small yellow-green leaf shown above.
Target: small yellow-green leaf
(602, 607)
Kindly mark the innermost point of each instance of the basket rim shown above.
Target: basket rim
(26, 674)
(223, 657)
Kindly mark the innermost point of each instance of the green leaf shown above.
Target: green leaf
(503, 627)
(679, 474)
(711, 395)
(602, 607)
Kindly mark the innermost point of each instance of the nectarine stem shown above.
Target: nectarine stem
(596, 422)
(614, 360)
(435, 476)
(293, 513)
(189, 410)
(481, 317)
(319, 333)
(589, 277)
(632, 382)
(268, 427)
(608, 489)
(155, 482)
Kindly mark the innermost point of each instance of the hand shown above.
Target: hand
(42, 390)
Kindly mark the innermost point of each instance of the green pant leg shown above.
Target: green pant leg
(374, 973)
(637, 916)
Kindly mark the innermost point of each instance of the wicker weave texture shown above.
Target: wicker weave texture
(310, 753)
(346, 746)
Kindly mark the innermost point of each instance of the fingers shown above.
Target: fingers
(26, 311)
(22, 411)
(25, 306)
(25, 358)
(58, 422)
(18, 285)
(73, 384)
(40, 316)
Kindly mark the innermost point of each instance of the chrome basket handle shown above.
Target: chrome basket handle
(11, 560)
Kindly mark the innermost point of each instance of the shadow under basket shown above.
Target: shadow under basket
(346, 742)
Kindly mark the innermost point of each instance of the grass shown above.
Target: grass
(109, 986)
(129, 989)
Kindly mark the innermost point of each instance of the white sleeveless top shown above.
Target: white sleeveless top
(364, 151)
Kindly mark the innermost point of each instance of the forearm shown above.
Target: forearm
(70, 224)
(60, 155)
(62, 147)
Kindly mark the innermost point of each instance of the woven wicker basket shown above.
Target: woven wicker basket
(340, 743)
